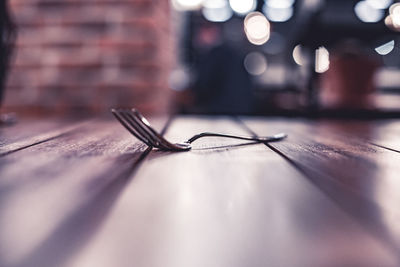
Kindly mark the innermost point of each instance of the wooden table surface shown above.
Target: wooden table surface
(89, 194)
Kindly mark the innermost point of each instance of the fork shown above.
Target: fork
(138, 126)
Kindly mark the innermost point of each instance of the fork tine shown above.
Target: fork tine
(148, 132)
(141, 121)
(164, 143)
(146, 124)
(139, 128)
(137, 125)
(122, 119)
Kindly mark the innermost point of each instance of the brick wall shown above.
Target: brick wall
(89, 55)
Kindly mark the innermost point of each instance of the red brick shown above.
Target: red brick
(91, 55)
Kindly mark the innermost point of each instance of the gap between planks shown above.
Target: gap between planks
(39, 139)
(74, 227)
(385, 147)
(358, 207)
(54, 134)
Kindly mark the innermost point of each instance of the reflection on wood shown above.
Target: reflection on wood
(94, 196)
(341, 159)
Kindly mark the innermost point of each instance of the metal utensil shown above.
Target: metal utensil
(138, 126)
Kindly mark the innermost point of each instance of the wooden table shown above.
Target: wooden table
(89, 194)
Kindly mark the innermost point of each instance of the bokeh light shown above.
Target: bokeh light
(179, 79)
(255, 63)
(298, 56)
(279, 3)
(215, 3)
(321, 60)
(385, 48)
(368, 13)
(243, 6)
(380, 4)
(257, 28)
(395, 14)
(392, 21)
(217, 10)
(185, 5)
(278, 14)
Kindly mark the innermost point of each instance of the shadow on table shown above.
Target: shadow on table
(160, 153)
(351, 178)
(74, 232)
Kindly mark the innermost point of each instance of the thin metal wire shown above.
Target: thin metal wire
(138, 126)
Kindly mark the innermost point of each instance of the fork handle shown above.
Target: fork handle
(272, 138)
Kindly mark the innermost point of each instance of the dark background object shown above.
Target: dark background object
(7, 30)
(287, 87)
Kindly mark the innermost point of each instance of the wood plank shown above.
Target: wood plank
(382, 133)
(336, 156)
(54, 196)
(227, 204)
(28, 132)
(388, 135)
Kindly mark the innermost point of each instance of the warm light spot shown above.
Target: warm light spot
(242, 6)
(321, 60)
(279, 3)
(380, 4)
(392, 21)
(217, 11)
(389, 22)
(395, 14)
(184, 5)
(394, 9)
(257, 28)
(298, 55)
(255, 63)
(278, 14)
(385, 48)
(179, 79)
(367, 13)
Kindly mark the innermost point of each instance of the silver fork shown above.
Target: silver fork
(138, 126)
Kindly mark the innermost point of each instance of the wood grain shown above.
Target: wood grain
(55, 195)
(227, 203)
(29, 132)
(383, 133)
(95, 196)
(341, 160)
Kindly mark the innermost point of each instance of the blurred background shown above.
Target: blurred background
(258, 57)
